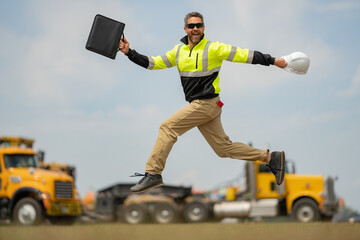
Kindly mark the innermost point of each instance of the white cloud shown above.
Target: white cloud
(354, 88)
(53, 67)
(274, 28)
(307, 120)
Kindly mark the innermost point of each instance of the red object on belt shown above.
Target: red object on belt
(220, 103)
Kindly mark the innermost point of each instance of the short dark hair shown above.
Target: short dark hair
(193, 14)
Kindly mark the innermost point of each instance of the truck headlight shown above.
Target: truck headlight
(77, 196)
(46, 200)
(45, 196)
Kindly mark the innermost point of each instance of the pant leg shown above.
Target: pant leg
(188, 117)
(214, 134)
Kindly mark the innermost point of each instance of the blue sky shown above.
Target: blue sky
(103, 115)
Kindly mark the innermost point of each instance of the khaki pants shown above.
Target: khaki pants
(204, 114)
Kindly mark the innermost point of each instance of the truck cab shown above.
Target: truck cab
(29, 194)
(305, 197)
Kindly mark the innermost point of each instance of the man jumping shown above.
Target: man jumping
(198, 61)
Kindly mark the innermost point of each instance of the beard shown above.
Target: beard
(195, 38)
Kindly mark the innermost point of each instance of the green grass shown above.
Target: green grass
(208, 231)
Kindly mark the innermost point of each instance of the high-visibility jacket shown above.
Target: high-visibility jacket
(199, 67)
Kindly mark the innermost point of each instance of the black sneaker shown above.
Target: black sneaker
(149, 181)
(276, 166)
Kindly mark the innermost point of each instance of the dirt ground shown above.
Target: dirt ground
(208, 231)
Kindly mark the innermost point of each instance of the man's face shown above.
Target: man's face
(195, 34)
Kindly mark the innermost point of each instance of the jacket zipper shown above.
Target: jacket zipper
(197, 56)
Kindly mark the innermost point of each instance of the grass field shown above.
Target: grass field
(208, 231)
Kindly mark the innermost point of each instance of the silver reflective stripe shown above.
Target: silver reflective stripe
(250, 56)
(177, 55)
(151, 63)
(205, 62)
(199, 74)
(166, 61)
(205, 57)
(232, 54)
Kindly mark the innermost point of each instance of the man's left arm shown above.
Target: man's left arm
(256, 57)
(236, 54)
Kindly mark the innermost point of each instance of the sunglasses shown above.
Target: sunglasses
(193, 25)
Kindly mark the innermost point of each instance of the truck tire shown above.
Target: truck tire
(63, 220)
(28, 211)
(165, 213)
(306, 210)
(135, 213)
(195, 212)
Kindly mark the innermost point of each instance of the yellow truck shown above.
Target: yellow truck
(305, 198)
(28, 194)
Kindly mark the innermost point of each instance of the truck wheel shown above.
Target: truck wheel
(28, 212)
(196, 212)
(63, 220)
(165, 213)
(306, 210)
(135, 213)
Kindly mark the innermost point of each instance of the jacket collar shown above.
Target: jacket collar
(185, 39)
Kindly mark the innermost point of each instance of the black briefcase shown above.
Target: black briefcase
(105, 35)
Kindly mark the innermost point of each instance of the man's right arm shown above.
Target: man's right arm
(138, 58)
(124, 47)
(152, 63)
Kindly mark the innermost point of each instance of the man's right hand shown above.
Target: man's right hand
(124, 45)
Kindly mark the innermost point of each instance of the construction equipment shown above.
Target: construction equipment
(304, 198)
(56, 166)
(162, 205)
(29, 194)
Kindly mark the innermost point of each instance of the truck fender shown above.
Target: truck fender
(24, 192)
(290, 201)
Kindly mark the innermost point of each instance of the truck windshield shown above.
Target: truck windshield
(20, 161)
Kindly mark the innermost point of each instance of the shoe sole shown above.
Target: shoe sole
(282, 162)
(147, 189)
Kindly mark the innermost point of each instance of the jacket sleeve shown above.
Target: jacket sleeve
(236, 54)
(257, 57)
(167, 60)
(138, 58)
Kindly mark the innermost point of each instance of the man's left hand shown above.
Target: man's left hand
(280, 62)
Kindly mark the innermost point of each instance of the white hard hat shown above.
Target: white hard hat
(297, 62)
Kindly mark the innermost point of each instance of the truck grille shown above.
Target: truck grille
(63, 189)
